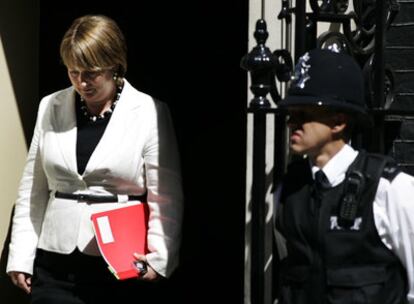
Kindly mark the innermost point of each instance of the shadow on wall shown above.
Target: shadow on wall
(19, 33)
(8, 292)
(20, 19)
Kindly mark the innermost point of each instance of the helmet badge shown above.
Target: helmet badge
(301, 72)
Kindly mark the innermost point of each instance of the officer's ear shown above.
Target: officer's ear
(340, 122)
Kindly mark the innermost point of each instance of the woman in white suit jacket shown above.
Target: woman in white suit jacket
(102, 138)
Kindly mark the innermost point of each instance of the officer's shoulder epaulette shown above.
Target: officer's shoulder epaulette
(390, 168)
(390, 171)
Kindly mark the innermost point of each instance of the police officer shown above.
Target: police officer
(344, 218)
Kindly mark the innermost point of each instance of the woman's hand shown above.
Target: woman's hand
(22, 280)
(151, 274)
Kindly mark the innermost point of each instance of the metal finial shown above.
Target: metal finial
(260, 62)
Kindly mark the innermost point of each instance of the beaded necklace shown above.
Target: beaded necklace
(107, 113)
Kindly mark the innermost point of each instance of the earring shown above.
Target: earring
(115, 76)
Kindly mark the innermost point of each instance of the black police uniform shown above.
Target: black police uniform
(327, 263)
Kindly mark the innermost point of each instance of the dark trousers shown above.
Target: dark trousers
(81, 279)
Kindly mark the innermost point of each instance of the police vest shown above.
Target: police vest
(332, 263)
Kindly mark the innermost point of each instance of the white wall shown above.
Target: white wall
(12, 146)
(19, 40)
(274, 42)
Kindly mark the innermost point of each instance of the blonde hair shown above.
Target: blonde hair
(94, 42)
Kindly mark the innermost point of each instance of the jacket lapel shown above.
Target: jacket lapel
(118, 124)
(65, 127)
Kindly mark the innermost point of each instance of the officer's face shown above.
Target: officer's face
(313, 129)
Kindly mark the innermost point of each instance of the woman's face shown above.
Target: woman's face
(93, 86)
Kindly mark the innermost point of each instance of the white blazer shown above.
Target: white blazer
(137, 153)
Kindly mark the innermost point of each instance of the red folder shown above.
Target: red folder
(120, 233)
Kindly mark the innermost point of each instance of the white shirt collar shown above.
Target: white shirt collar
(337, 166)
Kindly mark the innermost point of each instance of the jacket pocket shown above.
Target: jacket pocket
(355, 285)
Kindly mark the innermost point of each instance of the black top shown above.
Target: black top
(88, 136)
